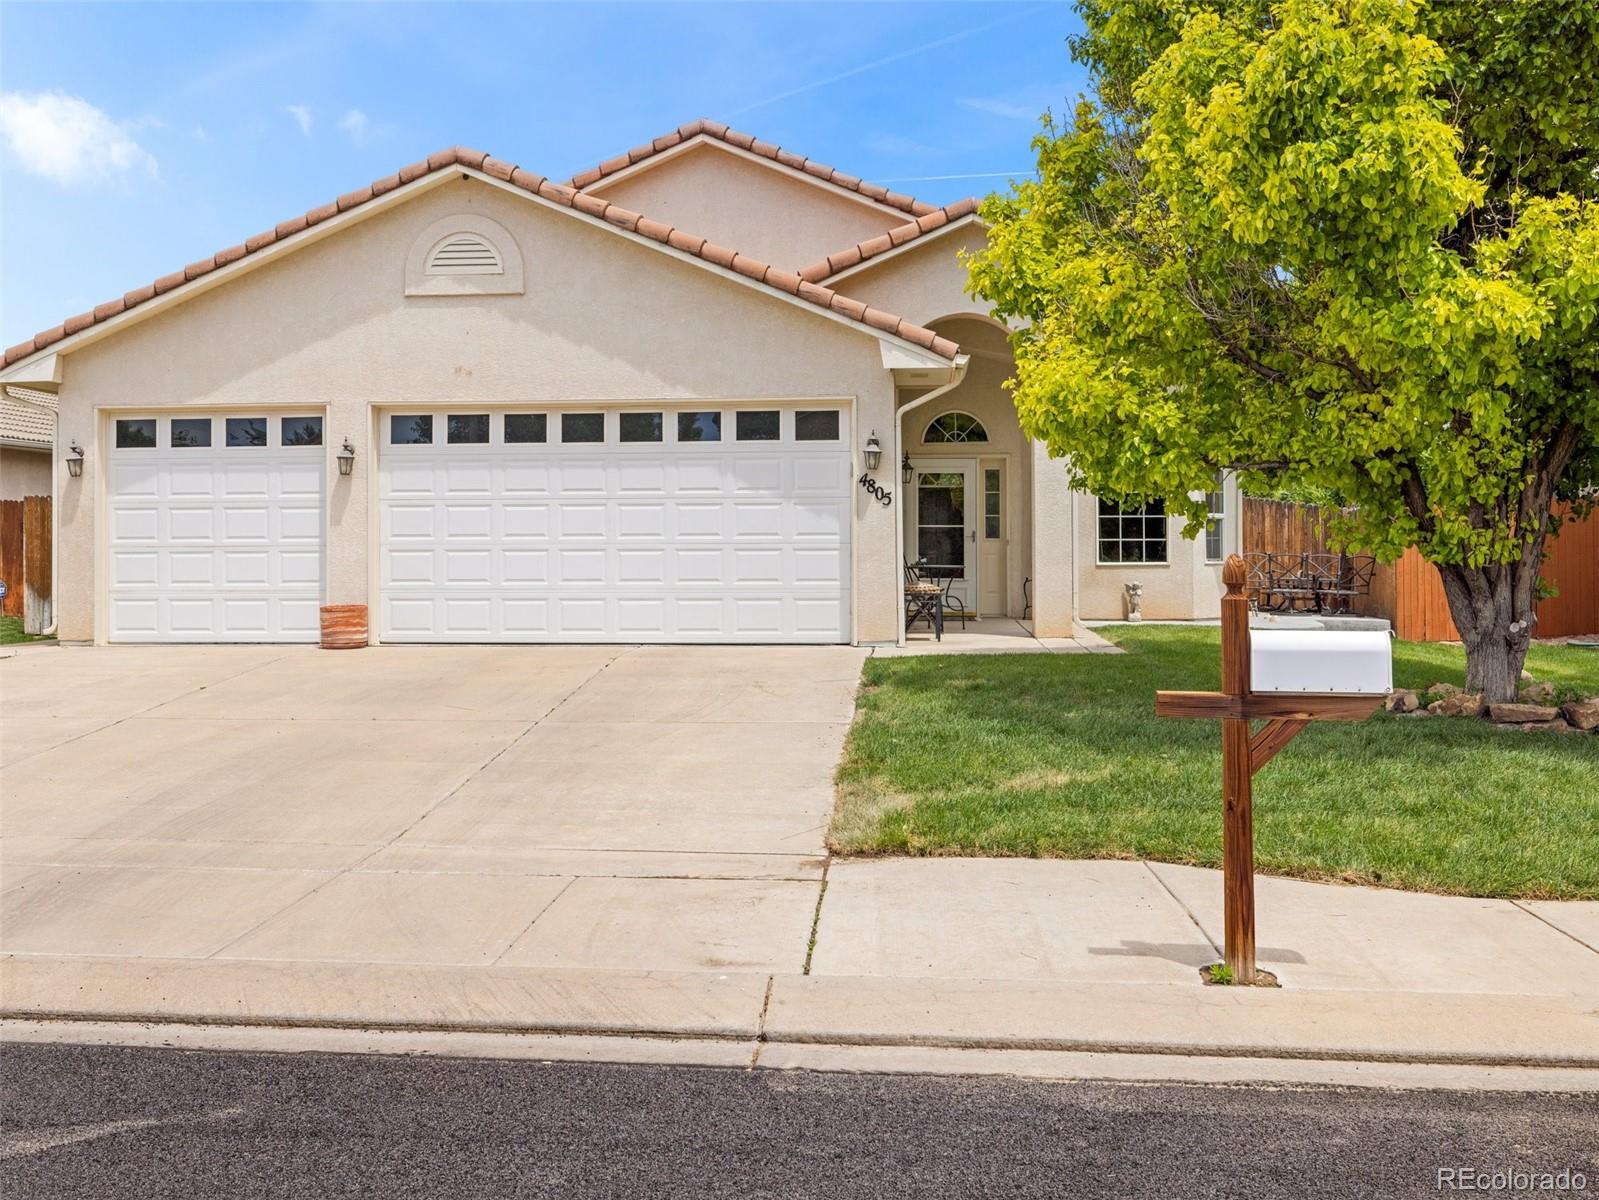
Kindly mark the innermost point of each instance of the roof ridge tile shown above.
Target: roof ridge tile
(801, 285)
(852, 256)
(753, 145)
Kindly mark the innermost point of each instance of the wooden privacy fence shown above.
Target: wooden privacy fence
(25, 561)
(1409, 592)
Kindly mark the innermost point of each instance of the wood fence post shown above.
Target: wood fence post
(36, 563)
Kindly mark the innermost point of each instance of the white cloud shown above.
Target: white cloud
(996, 107)
(68, 140)
(302, 117)
(355, 123)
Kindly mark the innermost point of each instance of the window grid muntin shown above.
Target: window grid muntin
(1131, 537)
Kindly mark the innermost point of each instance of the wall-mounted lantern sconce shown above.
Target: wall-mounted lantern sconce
(905, 468)
(874, 452)
(346, 458)
(75, 461)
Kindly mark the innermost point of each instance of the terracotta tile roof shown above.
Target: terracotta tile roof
(883, 242)
(534, 184)
(28, 416)
(744, 141)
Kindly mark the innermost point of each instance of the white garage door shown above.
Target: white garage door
(215, 528)
(702, 524)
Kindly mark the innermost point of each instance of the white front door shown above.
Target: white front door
(692, 523)
(214, 527)
(946, 503)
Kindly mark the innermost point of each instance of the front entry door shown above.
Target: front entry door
(944, 533)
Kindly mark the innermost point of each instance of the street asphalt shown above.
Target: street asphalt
(89, 1122)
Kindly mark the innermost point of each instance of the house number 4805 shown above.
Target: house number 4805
(884, 496)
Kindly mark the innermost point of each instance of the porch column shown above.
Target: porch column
(1052, 565)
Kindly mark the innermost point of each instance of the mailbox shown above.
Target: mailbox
(1340, 662)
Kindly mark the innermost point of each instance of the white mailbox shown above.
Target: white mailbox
(1340, 662)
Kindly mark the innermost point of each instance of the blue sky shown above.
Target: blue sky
(136, 138)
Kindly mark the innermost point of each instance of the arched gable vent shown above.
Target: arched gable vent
(464, 254)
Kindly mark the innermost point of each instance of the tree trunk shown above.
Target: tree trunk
(1492, 607)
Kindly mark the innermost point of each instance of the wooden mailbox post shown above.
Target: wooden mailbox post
(1244, 752)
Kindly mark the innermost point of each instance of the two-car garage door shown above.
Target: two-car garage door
(691, 524)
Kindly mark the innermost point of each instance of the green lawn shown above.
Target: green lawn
(1062, 755)
(11, 631)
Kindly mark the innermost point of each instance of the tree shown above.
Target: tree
(1339, 244)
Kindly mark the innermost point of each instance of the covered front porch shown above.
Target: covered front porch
(976, 493)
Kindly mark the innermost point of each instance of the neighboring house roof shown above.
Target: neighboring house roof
(939, 218)
(534, 184)
(27, 418)
(705, 127)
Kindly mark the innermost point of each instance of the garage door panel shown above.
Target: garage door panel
(215, 543)
(616, 542)
(135, 525)
(580, 521)
(191, 524)
(191, 568)
(524, 567)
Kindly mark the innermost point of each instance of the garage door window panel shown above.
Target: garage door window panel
(247, 432)
(301, 431)
(136, 435)
(191, 432)
(470, 429)
(699, 427)
(819, 425)
(526, 428)
(759, 425)
(640, 427)
(583, 428)
(411, 429)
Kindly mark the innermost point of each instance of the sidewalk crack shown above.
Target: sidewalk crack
(1540, 917)
(1148, 866)
(760, 1023)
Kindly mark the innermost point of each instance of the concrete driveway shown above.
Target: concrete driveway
(612, 808)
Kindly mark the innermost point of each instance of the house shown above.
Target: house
(709, 391)
(27, 436)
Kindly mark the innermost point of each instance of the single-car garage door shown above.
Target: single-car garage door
(694, 524)
(215, 528)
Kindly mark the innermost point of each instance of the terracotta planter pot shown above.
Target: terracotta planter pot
(343, 626)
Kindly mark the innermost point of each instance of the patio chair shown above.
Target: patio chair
(924, 598)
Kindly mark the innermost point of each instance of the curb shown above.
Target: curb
(1457, 1029)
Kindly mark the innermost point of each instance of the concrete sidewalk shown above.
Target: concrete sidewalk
(1005, 954)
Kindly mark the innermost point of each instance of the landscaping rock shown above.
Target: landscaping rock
(1526, 675)
(1542, 727)
(1518, 714)
(1583, 714)
(1402, 701)
(1441, 690)
(1537, 693)
(1458, 704)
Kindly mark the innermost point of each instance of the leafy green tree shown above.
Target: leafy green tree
(1349, 245)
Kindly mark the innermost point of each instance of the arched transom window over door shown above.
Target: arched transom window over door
(954, 427)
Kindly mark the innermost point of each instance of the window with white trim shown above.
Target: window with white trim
(954, 427)
(1215, 527)
(1132, 535)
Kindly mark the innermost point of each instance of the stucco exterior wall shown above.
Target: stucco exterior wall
(922, 283)
(766, 211)
(24, 473)
(603, 318)
(1186, 587)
